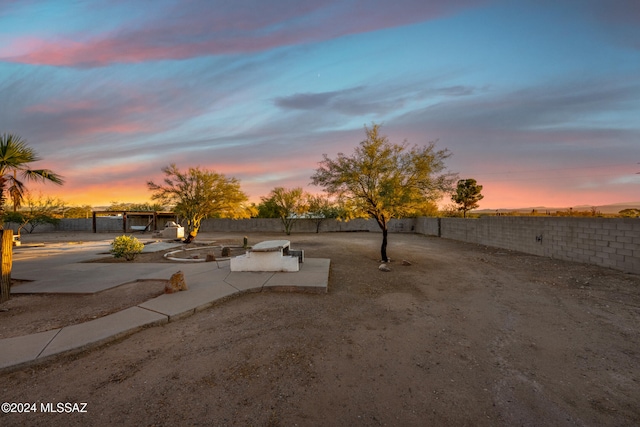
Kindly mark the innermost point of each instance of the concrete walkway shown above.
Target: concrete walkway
(61, 270)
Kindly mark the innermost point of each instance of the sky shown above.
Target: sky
(538, 100)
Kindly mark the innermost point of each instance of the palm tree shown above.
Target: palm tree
(15, 156)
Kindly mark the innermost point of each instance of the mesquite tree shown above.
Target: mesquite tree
(382, 180)
(198, 194)
(288, 204)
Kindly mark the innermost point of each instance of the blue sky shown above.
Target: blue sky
(539, 101)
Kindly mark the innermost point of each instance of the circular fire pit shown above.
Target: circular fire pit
(204, 253)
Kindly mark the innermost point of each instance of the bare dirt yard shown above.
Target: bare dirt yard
(27, 314)
(465, 335)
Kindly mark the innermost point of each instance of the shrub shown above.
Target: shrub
(127, 247)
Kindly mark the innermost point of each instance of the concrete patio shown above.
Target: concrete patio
(60, 268)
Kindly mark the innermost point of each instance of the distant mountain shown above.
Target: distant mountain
(605, 209)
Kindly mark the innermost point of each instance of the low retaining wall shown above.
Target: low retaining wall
(103, 225)
(274, 225)
(264, 225)
(608, 242)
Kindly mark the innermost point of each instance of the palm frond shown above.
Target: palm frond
(42, 175)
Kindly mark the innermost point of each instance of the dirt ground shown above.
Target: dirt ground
(27, 314)
(31, 313)
(466, 335)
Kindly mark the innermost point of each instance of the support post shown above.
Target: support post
(6, 253)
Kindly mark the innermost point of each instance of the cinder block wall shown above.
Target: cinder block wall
(274, 225)
(608, 242)
(103, 225)
(265, 225)
(428, 226)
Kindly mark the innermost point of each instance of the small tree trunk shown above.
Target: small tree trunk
(190, 238)
(288, 223)
(193, 226)
(382, 223)
(6, 253)
(383, 248)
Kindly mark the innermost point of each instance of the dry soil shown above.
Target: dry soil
(465, 335)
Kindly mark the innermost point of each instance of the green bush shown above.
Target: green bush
(127, 247)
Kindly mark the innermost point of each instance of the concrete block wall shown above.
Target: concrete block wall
(513, 233)
(611, 242)
(103, 225)
(265, 225)
(428, 226)
(274, 225)
(608, 242)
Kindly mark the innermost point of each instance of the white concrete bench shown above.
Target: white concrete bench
(270, 255)
(171, 231)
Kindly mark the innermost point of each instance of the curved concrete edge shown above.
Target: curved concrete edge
(19, 352)
(183, 304)
(95, 332)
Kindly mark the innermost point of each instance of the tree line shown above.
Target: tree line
(380, 180)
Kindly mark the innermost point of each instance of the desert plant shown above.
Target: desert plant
(127, 247)
(383, 180)
(15, 157)
(198, 194)
(288, 204)
(467, 195)
(37, 211)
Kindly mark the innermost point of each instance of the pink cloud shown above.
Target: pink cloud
(127, 182)
(619, 12)
(101, 184)
(92, 126)
(86, 122)
(125, 111)
(54, 106)
(194, 29)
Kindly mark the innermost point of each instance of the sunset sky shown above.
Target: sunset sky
(538, 100)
